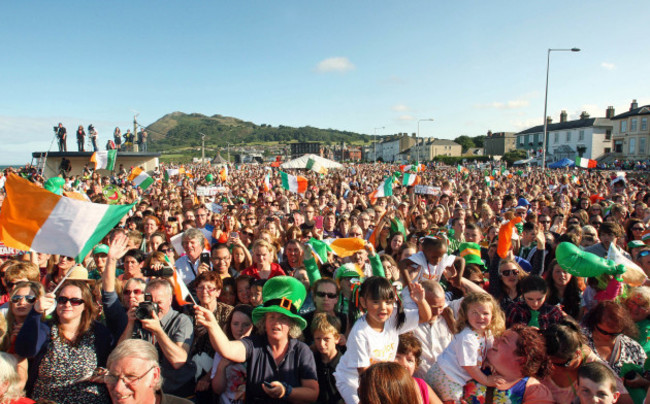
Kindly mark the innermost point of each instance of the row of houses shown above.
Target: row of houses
(625, 136)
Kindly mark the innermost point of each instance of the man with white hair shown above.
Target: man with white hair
(134, 376)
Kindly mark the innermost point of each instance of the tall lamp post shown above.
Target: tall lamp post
(418, 138)
(375, 142)
(548, 63)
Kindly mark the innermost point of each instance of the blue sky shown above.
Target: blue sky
(350, 65)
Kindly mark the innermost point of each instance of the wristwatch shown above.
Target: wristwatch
(287, 390)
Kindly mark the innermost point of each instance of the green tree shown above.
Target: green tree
(514, 155)
(465, 141)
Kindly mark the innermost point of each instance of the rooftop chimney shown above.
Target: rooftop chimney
(584, 115)
(549, 120)
(634, 105)
(563, 116)
(489, 134)
(609, 113)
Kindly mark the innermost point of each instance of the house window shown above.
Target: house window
(568, 136)
(581, 135)
(608, 150)
(644, 123)
(633, 125)
(623, 126)
(618, 146)
(557, 137)
(632, 145)
(608, 134)
(642, 145)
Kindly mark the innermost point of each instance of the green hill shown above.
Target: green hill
(179, 130)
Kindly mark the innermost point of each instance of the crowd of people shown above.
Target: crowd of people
(229, 288)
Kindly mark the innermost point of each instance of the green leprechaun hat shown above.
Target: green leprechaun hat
(284, 295)
(471, 252)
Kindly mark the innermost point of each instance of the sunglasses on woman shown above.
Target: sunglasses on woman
(509, 272)
(329, 295)
(74, 301)
(28, 298)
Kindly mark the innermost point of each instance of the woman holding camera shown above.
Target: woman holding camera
(65, 352)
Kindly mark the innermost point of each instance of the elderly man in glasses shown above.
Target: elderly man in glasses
(134, 375)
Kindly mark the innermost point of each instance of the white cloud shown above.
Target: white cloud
(608, 66)
(335, 64)
(400, 108)
(406, 118)
(514, 104)
(519, 125)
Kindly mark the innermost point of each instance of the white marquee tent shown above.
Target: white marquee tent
(301, 162)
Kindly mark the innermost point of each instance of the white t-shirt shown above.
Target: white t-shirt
(366, 346)
(429, 271)
(467, 349)
(435, 337)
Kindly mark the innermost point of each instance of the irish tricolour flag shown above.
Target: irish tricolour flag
(104, 159)
(586, 163)
(384, 189)
(409, 179)
(37, 219)
(315, 166)
(294, 184)
(140, 178)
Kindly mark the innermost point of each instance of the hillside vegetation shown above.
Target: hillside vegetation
(179, 130)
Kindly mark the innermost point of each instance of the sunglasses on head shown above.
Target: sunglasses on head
(611, 334)
(74, 301)
(28, 298)
(329, 295)
(509, 272)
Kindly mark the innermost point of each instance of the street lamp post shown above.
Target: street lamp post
(548, 63)
(202, 147)
(375, 141)
(418, 138)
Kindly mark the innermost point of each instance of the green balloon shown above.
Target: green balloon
(54, 185)
(581, 263)
(209, 178)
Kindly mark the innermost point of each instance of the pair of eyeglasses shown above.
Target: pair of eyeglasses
(328, 295)
(128, 380)
(74, 301)
(136, 292)
(635, 228)
(564, 364)
(28, 298)
(643, 254)
(207, 289)
(509, 272)
(611, 334)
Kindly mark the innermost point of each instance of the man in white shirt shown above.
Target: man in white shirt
(188, 265)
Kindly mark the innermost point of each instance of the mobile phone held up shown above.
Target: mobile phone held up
(318, 222)
(205, 258)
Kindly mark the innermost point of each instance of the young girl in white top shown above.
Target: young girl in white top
(374, 336)
(479, 320)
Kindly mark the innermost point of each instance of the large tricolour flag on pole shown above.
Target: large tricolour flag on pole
(104, 159)
(294, 184)
(140, 178)
(37, 219)
(586, 163)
